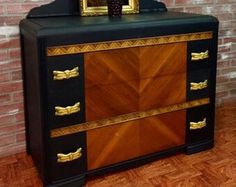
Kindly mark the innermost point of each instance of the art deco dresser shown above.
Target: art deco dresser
(104, 94)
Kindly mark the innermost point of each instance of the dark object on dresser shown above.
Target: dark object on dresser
(114, 8)
(105, 94)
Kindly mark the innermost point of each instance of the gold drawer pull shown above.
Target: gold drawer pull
(200, 56)
(198, 125)
(199, 86)
(62, 111)
(61, 158)
(67, 74)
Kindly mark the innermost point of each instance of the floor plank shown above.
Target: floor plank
(211, 168)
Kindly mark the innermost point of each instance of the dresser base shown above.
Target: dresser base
(199, 146)
(74, 182)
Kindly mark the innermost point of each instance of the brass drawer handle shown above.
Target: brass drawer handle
(199, 86)
(61, 158)
(198, 125)
(67, 74)
(62, 111)
(200, 56)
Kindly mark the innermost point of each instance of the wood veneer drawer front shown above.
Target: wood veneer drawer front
(128, 80)
(65, 75)
(200, 54)
(121, 142)
(199, 84)
(67, 156)
(200, 124)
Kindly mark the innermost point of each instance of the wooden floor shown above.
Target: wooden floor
(215, 167)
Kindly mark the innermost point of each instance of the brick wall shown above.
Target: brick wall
(12, 137)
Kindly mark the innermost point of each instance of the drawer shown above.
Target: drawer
(67, 156)
(200, 54)
(199, 84)
(129, 140)
(65, 74)
(200, 124)
(65, 110)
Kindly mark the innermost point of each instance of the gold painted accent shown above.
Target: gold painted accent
(198, 125)
(85, 10)
(62, 111)
(198, 86)
(118, 44)
(125, 118)
(200, 56)
(67, 74)
(62, 158)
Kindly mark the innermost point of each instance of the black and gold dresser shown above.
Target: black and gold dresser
(104, 94)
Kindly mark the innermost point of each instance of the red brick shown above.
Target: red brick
(11, 87)
(9, 43)
(16, 75)
(6, 140)
(18, 96)
(4, 98)
(20, 137)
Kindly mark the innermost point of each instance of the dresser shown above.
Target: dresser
(105, 94)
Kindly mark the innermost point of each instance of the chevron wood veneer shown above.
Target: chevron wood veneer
(212, 168)
(116, 143)
(134, 79)
(89, 47)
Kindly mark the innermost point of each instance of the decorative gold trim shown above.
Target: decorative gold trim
(198, 86)
(131, 8)
(198, 125)
(125, 118)
(100, 46)
(63, 111)
(62, 158)
(200, 56)
(67, 74)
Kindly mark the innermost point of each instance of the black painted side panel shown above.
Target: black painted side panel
(198, 76)
(65, 92)
(195, 115)
(65, 145)
(32, 99)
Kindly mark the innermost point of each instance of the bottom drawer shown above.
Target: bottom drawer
(121, 142)
(67, 156)
(200, 124)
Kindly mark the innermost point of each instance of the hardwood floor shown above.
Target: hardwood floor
(211, 168)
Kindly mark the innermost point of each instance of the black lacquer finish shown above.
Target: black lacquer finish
(197, 114)
(65, 92)
(42, 93)
(65, 145)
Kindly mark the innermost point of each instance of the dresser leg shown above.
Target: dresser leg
(75, 182)
(194, 148)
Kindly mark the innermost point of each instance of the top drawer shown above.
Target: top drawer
(200, 54)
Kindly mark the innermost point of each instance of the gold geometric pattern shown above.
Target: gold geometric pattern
(125, 118)
(118, 44)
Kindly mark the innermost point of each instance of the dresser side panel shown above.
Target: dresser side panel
(32, 100)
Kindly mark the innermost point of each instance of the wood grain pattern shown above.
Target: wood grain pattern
(128, 80)
(136, 138)
(213, 168)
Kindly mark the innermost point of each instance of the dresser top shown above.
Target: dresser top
(137, 25)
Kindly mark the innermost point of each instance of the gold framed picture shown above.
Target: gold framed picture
(99, 7)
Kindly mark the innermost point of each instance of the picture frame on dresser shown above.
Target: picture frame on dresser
(99, 7)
